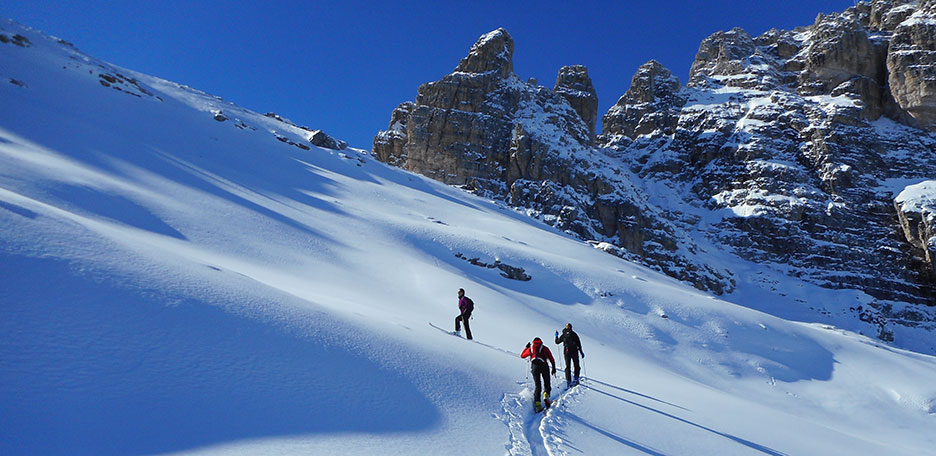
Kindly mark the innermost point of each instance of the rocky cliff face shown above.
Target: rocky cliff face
(651, 104)
(485, 129)
(576, 87)
(911, 62)
(799, 140)
(787, 150)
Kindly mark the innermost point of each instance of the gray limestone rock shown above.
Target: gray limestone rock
(485, 129)
(886, 15)
(650, 104)
(321, 139)
(576, 87)
(911, 65)
(840, 50)
(917, 216)
(389, 145)
(492, 53)
(778, 130)
(733, 59)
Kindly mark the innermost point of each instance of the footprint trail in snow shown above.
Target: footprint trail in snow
(536, 434)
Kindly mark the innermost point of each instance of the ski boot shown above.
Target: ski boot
(546, 400)
(537, 407)
(575, 381)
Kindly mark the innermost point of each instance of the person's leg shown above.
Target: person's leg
(575, 361)
(465, 319)
(457, 325)
(538, 388)
(547, 389)
(568, 370)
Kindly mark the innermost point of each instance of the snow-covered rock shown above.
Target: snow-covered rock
(574, 84)
(916, 207)
(491, 132)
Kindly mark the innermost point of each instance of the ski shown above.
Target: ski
(451, 333)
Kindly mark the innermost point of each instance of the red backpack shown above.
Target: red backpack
(536, 350)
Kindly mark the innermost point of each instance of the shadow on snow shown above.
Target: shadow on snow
(744, 442)
(88, 367)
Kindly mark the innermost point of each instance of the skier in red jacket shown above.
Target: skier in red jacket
(539, 367)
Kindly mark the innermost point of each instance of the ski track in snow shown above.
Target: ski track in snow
(530, 434)
(533, 434)
(551, 426)
(514, 417)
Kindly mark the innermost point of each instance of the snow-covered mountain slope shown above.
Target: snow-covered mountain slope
(179, 281)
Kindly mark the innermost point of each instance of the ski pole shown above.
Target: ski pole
(526, 382)
(584, 369)
(564, 361)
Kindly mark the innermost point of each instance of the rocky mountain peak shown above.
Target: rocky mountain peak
(462, 128)
(652, 81)
(492, 53)
(721, 54)
(647, 105)
(532, 147)
(785, 131)
(574, 84)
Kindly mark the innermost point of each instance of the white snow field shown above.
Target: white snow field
(177, 284)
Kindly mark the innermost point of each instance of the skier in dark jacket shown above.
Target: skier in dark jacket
(573, 347)
(538, 366)
(465, 307)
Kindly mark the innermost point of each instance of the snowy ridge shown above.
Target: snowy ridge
(176, 284)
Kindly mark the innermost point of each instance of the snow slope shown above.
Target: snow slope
(173, 283)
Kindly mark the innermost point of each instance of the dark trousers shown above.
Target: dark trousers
(570, 360)
(463, 318)
(540, 369)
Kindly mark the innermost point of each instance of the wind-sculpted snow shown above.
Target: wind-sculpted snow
(172, 283)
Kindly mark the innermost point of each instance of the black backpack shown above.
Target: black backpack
(571, 341)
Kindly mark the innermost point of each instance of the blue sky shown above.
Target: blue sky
(343, 66)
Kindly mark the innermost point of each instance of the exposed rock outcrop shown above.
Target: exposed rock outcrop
(916, 208)
(389, 144)
(784, 135)
(18, 40)
(650, 104)
(321, 139)
(729, 58)
(842, 50)
(453, 132)
(482, 127)
(911, 65)
(576, 87)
